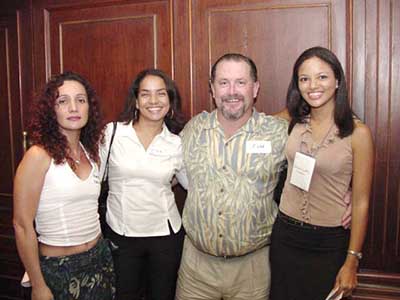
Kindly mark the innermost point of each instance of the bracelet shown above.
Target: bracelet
(355, 253)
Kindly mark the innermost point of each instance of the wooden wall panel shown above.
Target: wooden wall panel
(376, 99)
(182, 68)
(12, 50)
(6, 148)
(108, 44)
(109, 41)
(273, 33)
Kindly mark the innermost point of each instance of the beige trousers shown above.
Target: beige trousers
(205, 277)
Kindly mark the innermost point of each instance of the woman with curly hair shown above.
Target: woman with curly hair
(142, 215)
(57, 186)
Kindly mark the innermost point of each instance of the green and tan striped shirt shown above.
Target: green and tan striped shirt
(229, 210)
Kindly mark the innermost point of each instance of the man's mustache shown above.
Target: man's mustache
(232, 96)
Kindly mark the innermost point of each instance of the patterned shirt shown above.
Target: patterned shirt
(229, 210)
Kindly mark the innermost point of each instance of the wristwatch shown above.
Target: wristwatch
(355, 253)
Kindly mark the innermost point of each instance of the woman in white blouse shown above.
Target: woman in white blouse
(142, 215)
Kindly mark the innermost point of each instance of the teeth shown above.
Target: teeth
(315, 95)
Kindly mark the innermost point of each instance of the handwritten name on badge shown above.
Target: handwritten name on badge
(302, 171)
(258, 147)
(157, 152)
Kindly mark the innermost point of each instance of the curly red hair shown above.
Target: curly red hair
(44, 128)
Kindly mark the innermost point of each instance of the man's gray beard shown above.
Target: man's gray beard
(232, 116)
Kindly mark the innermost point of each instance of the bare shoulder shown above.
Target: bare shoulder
(37, 152)
(36, 157)
(284, 114)
(362, 136)
(28, 184)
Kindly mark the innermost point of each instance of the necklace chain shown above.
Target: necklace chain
(78, 161)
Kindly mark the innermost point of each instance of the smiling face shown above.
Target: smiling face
(317, 83)
(234, 90)
(152, 100)
(71, 106)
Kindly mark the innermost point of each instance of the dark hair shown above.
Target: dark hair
(44, 128)
(298, 107)
(174, 118)
(235, 57)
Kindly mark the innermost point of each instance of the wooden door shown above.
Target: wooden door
(272, 33)
(107, 43)
(14, 86)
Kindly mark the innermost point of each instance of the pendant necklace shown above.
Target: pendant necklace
(78, 161)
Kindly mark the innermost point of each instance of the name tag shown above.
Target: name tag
(155, 152)
(258, 147)
(96, 178)
(303, 168)
(335, 294)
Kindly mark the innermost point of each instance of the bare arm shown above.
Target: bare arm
(284, 114)
(28, 184)
(363, 164)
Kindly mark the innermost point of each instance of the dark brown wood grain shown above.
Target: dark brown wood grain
(109, 41)
(15, 87)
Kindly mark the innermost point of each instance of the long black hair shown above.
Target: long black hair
(299, 109)
(174, 118)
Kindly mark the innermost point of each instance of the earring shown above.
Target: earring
(171, 113)
(135, 114)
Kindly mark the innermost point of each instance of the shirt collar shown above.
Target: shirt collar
(306, 133)
(127, 130)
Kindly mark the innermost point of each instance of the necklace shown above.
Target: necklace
(78, 160)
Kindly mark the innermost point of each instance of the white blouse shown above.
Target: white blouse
(140, 201)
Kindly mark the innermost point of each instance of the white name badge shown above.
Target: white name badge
(335, 294)
(258, 147)
(156, 152)
(303, 168)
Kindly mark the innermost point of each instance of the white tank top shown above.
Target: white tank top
(67, 212)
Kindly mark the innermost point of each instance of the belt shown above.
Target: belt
(225, 257)
(292, 221)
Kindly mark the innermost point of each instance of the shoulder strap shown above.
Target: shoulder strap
(105, 175)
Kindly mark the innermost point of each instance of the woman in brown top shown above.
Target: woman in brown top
(327, 150)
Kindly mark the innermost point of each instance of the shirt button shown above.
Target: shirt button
(224, 168)
(220, 213)
(220, 235)
(221, 190)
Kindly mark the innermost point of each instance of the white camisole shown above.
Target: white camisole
(67, 212)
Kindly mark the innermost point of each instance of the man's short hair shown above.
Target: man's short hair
(235, 57)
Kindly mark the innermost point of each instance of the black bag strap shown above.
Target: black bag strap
(105, 175)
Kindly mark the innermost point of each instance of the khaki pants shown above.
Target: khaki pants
(205, 277)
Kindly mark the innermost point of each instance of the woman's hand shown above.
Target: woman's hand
(346, 279)
(42, 293)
